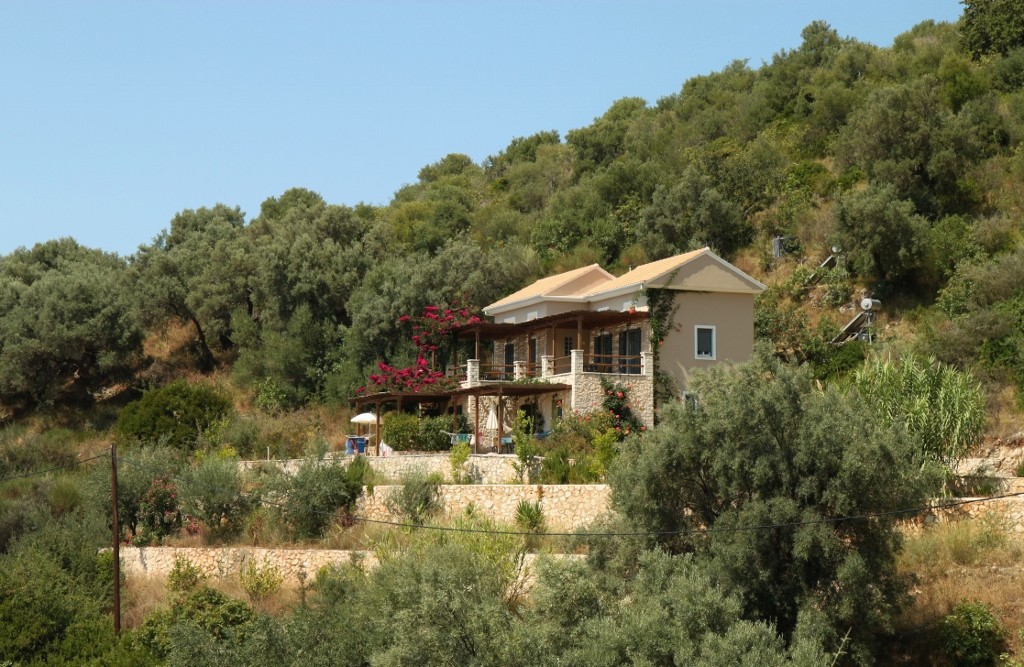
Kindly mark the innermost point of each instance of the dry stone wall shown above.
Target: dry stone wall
(481, 469)
(1007, 513)
(566, 507)
(227, 562)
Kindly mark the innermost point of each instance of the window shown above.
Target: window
(568, 345)
(603, 353)
(704, 342)
(629, 352)
(532, 354)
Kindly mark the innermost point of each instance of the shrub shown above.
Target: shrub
(972, 635)
(138, 472)
(457, 459)
(205, 609)
(175, 414)
(417, 499)
(400, 430)
(560, 467)
(530, 517)
(318, 490)
(158, 510)
(432, 434)
(526, 448)
(260, 582)
(212, 492)
(21, 450)
(185, 576)
(616, 404)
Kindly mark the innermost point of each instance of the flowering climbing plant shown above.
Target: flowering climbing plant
(616, 403)
(434, 326)
(430, 331)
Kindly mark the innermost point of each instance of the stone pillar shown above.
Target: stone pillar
(576, 365)
(472, 372)
(547, 365)
(647, 364)
(519, 370)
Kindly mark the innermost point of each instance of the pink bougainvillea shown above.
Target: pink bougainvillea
(429, 332)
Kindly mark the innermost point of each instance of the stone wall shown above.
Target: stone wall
(1007, 513)
(566, 507)
(588, 393)
(482, 469)
(227, 562)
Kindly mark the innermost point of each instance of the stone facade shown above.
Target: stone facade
(566, 507)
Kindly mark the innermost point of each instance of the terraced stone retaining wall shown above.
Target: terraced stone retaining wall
(481, 469)
(566, 507)
(227, 562)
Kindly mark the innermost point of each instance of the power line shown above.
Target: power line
(43, 472)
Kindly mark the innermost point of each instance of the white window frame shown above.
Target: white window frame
(714, 342)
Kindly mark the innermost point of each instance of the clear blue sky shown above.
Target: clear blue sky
(116, 115)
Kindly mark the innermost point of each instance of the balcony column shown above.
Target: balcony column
(576, 365)
(472, 372)
(647, 364)
(519, 370)
(547, 365)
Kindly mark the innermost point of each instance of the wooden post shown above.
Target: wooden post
(501, 421)
(117, 540)
(376, 411)
(579, 332)
(476, 427)
(477, 347)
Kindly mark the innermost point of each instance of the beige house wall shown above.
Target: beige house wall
(732, 315)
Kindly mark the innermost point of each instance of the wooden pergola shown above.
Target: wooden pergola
(500, 390)
(583, 319)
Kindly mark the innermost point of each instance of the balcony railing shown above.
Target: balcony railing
(621, 364)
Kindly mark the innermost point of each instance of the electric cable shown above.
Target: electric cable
(43, 472)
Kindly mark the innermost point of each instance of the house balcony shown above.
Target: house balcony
(559, 370)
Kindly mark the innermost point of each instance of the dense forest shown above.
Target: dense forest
(904, 162)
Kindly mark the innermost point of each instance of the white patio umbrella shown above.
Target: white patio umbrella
(492, 421)
(364, 418)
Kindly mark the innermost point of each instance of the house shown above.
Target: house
(554, 345)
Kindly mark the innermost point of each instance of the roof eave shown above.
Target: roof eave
(513, 305)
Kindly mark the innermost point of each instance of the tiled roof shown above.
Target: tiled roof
(646, 272)
(546, 286)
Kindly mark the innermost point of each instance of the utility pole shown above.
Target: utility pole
(117, 541)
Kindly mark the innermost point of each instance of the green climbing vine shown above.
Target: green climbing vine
(661, 308)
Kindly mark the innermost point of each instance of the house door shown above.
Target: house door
(510, 360)
(629, 352)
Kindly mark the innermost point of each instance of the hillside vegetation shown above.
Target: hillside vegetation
(906, 158)
(756, 526)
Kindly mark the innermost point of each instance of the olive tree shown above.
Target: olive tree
(67, 323)
(769, 480)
